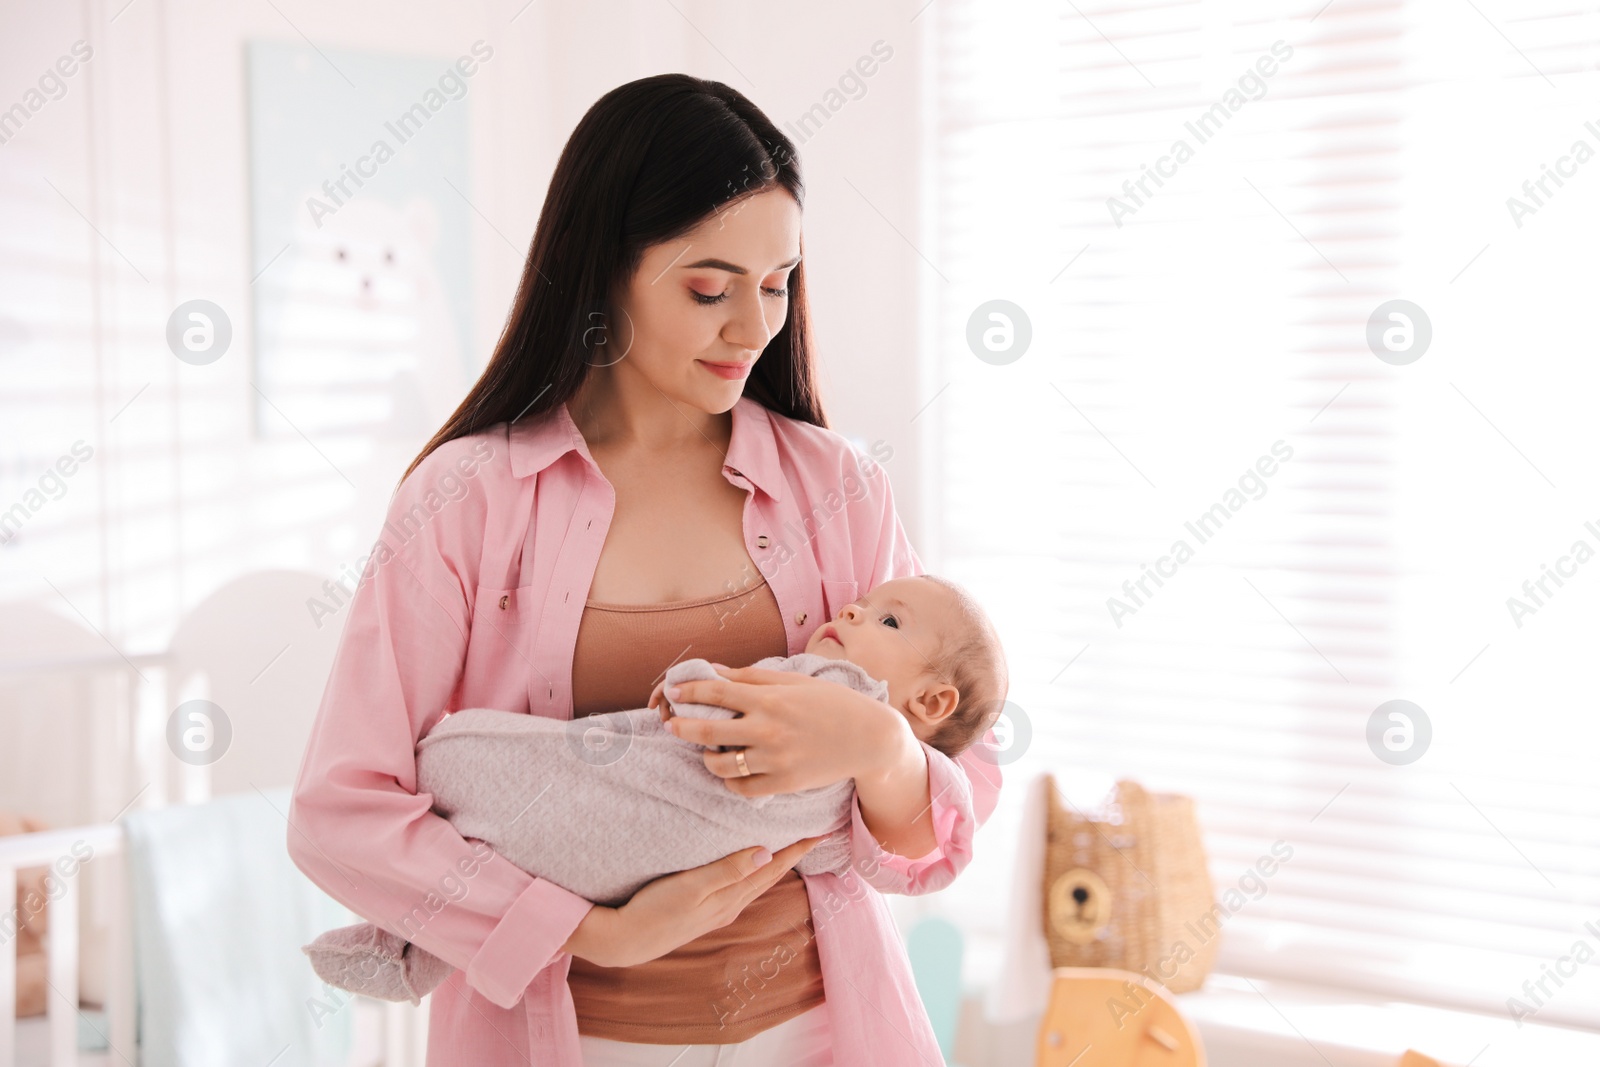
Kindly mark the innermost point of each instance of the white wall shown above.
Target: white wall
(134, 189)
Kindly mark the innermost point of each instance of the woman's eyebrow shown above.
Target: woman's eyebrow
(733, 268)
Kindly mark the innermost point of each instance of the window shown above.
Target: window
(1197, 214)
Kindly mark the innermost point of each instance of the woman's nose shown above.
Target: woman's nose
(748, 328)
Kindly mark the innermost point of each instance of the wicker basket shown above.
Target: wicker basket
(1131, 891)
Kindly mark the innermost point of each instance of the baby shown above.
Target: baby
(615, 801)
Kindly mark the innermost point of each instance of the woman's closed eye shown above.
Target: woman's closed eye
(702, 298)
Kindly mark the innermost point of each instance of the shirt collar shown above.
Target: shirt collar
(752, 452)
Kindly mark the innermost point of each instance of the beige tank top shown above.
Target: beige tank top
(759, 970)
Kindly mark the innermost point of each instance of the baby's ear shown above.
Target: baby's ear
(935, 703)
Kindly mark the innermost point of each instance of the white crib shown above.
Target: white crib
(387, 1035)
(65, 695)
(60, 1040)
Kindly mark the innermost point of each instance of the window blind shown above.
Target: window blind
(1196, 208)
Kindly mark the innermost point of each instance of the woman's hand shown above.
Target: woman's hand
(677, 908)
(800, 732)
(797, 732)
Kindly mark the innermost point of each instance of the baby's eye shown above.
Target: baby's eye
(892, 620)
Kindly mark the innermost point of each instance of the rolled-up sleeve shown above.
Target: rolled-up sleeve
(357, 826)
(964, 790)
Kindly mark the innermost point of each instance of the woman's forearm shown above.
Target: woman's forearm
(894, 799)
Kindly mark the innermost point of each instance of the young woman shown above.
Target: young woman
(642, 473)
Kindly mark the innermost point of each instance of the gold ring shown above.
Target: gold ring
(744, 768)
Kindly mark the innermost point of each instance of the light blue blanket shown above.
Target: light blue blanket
(220, 913)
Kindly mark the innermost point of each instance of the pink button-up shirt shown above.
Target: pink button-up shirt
(472, 598)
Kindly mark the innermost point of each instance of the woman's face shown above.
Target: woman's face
(700, 309)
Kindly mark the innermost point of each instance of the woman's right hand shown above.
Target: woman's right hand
(677, 908)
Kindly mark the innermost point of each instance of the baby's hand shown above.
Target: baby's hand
(662, 705)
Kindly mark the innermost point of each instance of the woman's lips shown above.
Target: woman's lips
(730, 371)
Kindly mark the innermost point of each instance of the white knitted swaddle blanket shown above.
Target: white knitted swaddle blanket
(600, 806)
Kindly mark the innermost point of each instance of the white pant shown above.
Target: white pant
(803, 1041)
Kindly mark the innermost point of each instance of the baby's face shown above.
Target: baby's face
(891, 633)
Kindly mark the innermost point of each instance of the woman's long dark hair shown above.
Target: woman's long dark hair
(646, 164)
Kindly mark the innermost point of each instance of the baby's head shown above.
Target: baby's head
(935, 646)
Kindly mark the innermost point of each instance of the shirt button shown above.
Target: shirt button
(799, 618)
(761, 541)
(735, 473)
(504, 601)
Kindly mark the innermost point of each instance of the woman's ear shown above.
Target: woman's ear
(934, 702)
